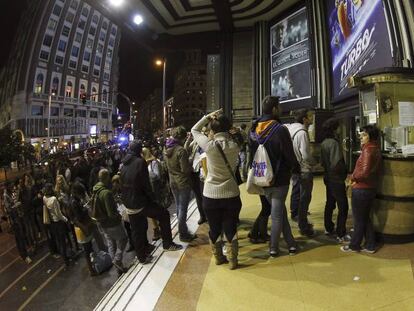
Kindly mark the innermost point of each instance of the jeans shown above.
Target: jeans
(301, 197)
(182, 199)
(116, 239)
(222, 216)
(20, 239)
(59, 232)
(280, 223)
(198, 193)
(336, 194)
(362, 200)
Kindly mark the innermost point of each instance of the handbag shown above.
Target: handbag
(238, 179)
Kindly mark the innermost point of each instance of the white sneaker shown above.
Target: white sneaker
(369, 251)
(28, 260)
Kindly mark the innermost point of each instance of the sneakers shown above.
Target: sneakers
(329, 233)
(273, 253)
(28, 260)
(347, 249)
(293, 251)
(147, 260)
(309, 232)
(345, 239)
(173, 247)
(188, 237)
(369, 251)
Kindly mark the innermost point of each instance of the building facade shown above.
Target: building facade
(190, 89)
(150, 112)
(62, 50)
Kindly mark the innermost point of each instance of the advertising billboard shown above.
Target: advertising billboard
(359, 40)
(290, 67)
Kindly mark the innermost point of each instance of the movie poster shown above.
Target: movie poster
(290, 67)
(359, 39)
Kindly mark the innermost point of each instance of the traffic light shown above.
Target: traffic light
(83, 98)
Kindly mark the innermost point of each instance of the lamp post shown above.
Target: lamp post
(48, 119)
(163, 62)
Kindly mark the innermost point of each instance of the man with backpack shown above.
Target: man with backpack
(139, 199)
(279, 163)
(302, 184)
(104, 211)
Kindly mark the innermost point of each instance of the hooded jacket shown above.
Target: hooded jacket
(106, 209)
(279, 148)
(178, 164)
(136, 191)
(333, 161)
(301, 146)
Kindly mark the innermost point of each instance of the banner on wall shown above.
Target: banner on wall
(290, 67)
(359, 39)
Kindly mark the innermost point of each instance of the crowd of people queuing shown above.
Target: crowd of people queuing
(104, 203)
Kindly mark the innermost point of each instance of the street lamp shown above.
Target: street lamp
(138, 19)
(163, 62)
(116, 3)
(51, 93)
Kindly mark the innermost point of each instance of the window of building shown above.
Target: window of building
(62, 46)
(87, 56)
(57, 10)
(104, 96)
(113, 31)
(100, 48)
(37, 111)
(75, 51)
(89, 43)
(85, 11)
(94, 96)
(105, 25)
(111, 42)
(92, 31)
(65, 31)
(97, 60)
(106, 76)
(44, 55)
(96, 72)
(104, 115)
(95, 19)
(102, 36)
(55, 86)
(47, 41)
(85, 68)
(82, 24)
(74, 4)
(93, 114)
(82, 89)
(59, 60)
(69, 89)
(109, 53)
(52, 24)
(39, 83)
(54, 111)
(70, 17)
(78, 37)
(68, 112)
(80, 113)
(73, 64)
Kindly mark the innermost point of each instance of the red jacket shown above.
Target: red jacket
(367, 167)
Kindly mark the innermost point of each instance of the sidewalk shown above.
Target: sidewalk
(319, 277)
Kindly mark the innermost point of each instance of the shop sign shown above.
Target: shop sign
(359, 40)
(290, 67)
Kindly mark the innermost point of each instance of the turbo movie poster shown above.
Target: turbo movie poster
(290, 58)
(359, 39)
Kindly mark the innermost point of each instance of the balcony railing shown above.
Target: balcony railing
(72, 100)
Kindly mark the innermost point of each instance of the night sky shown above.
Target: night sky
(138, 74)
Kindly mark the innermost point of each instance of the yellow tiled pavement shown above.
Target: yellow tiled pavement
(320, 277)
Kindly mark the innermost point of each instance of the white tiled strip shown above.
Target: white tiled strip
(142, 285)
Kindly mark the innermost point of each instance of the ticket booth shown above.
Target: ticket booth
(387, 99)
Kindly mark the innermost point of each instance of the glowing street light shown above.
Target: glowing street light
(138, 19)
(116, 2)
(163, 63)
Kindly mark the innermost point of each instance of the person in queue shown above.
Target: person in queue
(364, 181)
(221, 194)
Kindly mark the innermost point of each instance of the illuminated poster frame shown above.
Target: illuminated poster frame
(290, 58)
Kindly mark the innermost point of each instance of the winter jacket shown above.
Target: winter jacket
(333, 161)
(301, 146)
(80, 216)
(53, 209)
(178, 164)
(279, 148)
(136, 192)
(367, 167)
(106, 213)
(220, 183)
